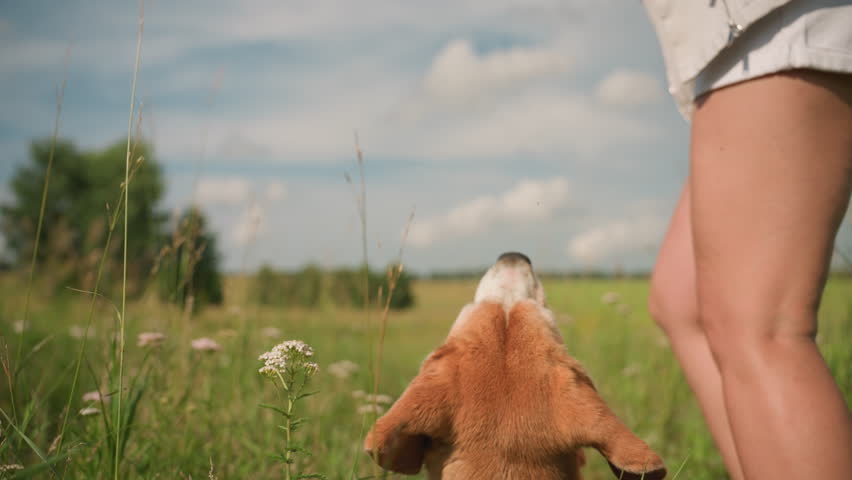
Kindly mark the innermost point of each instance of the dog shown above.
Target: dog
(502, 399)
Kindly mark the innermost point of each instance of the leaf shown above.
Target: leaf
(27, 439)
(130, 415)
(301, 450)
(33, 469)
(274, 408)
(306, 394)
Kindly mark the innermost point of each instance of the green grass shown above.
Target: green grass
(195, 408)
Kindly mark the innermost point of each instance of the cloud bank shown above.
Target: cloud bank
(528, 201)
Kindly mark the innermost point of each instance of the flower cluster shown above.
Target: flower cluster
(371, 408)
(343, 369)
(150, 339)
(292, 354)
(610, 298)
(369, 398)
(205, 344)
(95, 396)
(371, 403)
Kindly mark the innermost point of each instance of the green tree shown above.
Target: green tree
(189, 265)
(347, 288)
(84, 184)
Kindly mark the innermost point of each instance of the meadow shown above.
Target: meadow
(196, 414)
(106, 386)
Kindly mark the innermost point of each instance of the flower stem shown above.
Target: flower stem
(288, 453)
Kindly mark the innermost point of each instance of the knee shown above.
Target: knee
(673, 310)
(742, 337)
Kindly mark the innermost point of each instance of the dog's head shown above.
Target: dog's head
(502, 388)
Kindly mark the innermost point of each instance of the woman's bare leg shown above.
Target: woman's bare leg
(674, 305)
(771, 166)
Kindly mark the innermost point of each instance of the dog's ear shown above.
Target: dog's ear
(586, 421)
(399, 439)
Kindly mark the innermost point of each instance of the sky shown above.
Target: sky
(541, 126)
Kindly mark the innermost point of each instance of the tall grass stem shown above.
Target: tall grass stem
(123, 318)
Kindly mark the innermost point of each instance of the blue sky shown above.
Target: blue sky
(534, 125)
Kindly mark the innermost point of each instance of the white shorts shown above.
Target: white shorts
(814, 34)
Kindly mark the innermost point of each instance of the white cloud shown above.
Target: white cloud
(548, 123)
(461, 82)
(628, 88)
(238, 191)
(528, 201)
(458, 74)
(617, 237)
(223, 191)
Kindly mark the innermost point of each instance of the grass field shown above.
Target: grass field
(197, 414)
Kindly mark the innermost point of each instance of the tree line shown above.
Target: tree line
(175, 256)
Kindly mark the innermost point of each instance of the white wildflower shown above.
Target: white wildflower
(378, 398)
(359, 394)
(89, 411)
(270, 332)
(293, 354)
(205, 344)
(343, 368)
(94, 396)
(370, 408)
(610, 298)
(150, 339)
(10, 467)
(18, 326)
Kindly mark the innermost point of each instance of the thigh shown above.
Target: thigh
(771, 163)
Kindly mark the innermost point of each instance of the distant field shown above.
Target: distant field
(202, 408)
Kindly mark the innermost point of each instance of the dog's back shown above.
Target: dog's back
(506, 375)
(502, 399)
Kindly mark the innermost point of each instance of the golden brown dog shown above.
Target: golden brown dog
(502, 399)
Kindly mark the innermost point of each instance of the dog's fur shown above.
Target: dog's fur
(502, 399)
